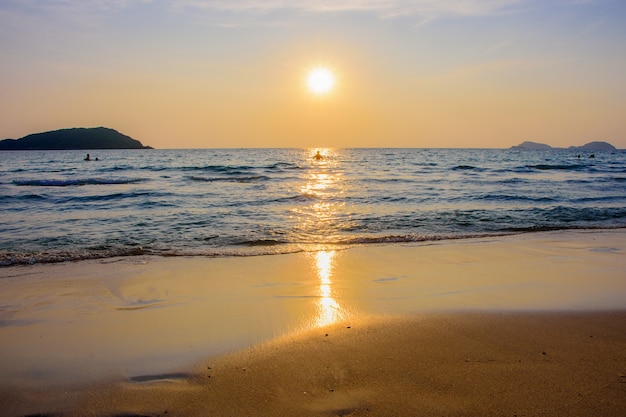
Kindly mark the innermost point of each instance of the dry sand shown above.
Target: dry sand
(526, 325)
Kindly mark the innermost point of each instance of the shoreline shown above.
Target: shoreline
(72, 327)
(243, 251)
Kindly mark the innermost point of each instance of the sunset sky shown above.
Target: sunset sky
(233, 73)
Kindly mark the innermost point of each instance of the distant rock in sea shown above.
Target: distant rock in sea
(74, 138)
(594, 146)
(532, 146)
(591, 146)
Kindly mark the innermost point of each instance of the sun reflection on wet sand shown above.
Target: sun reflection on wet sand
(323, 185)
(329, 309)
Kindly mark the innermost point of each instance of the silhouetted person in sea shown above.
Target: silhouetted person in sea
(592, 155)
(318, 156)
(87, 158)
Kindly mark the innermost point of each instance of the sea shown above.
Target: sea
(57, 207)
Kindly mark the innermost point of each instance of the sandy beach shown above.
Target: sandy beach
(525, 325)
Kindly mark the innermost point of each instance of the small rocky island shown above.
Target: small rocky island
(74, 138)
(591, 146)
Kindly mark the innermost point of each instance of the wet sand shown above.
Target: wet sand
(519, 325)
(487, 365)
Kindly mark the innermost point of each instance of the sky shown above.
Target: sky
(233, 73)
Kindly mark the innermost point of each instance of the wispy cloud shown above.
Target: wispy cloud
(386, 8)
(65, 5)
(383, 8)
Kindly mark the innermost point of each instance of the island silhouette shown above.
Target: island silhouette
(591, 146)
(73, 138)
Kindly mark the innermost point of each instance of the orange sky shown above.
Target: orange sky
(425, 73)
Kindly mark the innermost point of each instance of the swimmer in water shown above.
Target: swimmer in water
(87, 158)
(318, 156)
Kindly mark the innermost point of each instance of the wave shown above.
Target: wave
(260, 247)
(26, 197)
(117, 168)
(513, 198)
(603, 199)
(76, 182)
(413, 238)
(282, 166)
(242, 169)
(151, 195)
(261, 242)
(562, 218)
(391, 180)
(237, 169)
(298, 198)
(14, 258)
(242, 179)
(467, 168)
(513, 181)
(559, 167)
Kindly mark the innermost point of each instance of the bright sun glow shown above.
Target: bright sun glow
(320, 81)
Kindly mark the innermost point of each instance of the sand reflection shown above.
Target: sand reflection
(329, 309)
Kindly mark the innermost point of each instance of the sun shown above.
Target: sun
(320, 80)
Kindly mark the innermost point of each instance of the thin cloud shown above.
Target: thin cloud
(385, 8)
(67, 5)
(421, 9)
(257, 12)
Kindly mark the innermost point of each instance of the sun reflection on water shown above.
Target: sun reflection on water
(320, 185)
(321, 218)
(318, 221)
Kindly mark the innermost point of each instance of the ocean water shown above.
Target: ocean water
(243, 202)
